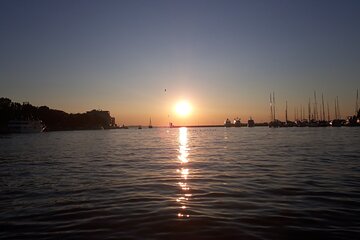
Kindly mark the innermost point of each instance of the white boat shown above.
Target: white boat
(25, 126)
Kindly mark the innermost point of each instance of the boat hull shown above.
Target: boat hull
(25, 127)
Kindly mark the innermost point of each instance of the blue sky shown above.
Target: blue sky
(225, 57)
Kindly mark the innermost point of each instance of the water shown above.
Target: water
(210, 183)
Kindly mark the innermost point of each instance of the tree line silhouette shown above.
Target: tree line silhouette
(54, 120)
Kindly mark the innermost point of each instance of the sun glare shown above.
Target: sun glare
(183, 108)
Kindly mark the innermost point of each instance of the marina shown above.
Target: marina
(314, 118)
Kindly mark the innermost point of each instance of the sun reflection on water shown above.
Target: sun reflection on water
(184, 173)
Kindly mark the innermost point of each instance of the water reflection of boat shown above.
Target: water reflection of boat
(237, 122)
(25, 126)
(227, 123)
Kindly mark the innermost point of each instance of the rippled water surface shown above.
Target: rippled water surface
(196, 183)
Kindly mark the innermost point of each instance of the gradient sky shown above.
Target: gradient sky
(225, 57)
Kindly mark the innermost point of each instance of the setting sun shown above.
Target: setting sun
(183, 108)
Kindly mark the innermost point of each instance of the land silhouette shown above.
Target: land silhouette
(54, 120)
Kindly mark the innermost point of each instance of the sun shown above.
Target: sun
(183, 108)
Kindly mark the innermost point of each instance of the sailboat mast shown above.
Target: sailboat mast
(271, 111)
(315, 107)
(328, 110)
(274, 105)
(357, 100)
(286, 113)
(309, 110)
(303, 113)
(323, 113)
(338, 107)
(336, 113)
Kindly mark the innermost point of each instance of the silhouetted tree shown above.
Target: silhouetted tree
(53, 119)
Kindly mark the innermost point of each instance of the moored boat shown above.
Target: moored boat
(150, 125)
(337, 122)
(237, 122)
(227, 123)
(251, 122)
(25, 126)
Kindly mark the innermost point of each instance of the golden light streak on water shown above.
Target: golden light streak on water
(184, 172)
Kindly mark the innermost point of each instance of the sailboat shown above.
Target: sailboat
(337, 122)
(274, 123)
(354, 120)
(150, 126)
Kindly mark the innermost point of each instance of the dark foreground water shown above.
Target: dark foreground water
(213, 183)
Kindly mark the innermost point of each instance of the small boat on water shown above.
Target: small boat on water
(123, 127)
(25, 126)
(139, 127)
(275, 124)
(150, 125)
(251, 122)
(237, 122)
(227, 123)
(337, 122)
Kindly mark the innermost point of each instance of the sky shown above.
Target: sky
(223, 57)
